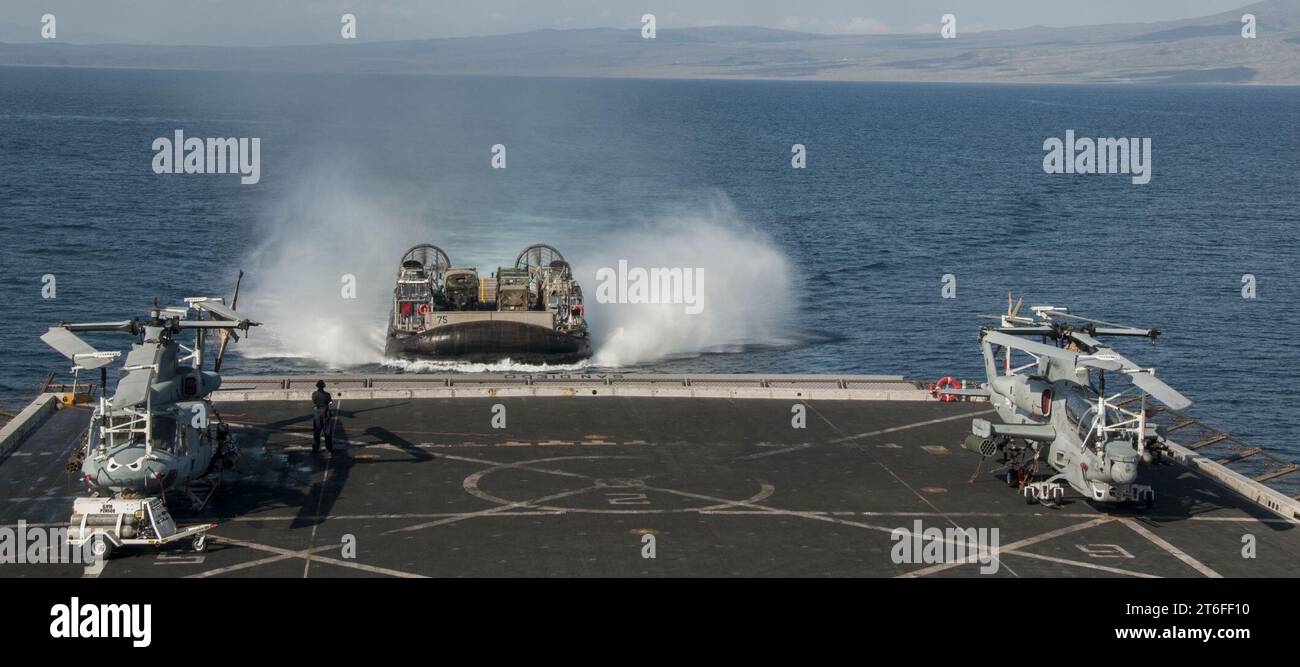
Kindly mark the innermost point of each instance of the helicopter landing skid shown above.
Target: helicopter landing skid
(1134, 494)
(1049, 493)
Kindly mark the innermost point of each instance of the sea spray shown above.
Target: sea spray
(322, 279)
(327, 232)
(746, 295)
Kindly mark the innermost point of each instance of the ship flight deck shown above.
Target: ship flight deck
(425, 485)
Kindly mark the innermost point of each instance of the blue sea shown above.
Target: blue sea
(834, 268)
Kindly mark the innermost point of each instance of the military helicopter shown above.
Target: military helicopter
(1093, 443)
(158, 433)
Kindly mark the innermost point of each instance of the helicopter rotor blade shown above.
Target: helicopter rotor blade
(79, 351)
(1104, 362)
(1158, 389)
(221, 349)
(234, 298)
(223, 314)
(1032, 347)
(129, 326)
(1025, 330)
(1104, 328)
(1013, 310)
(1142, 378)
(134, 387)
(1086, 341)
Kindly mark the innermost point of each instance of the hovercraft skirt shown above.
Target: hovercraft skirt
(490, 340)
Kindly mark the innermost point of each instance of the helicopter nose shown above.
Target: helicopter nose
(1122, 472)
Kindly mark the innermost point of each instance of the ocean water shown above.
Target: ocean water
(836, 268)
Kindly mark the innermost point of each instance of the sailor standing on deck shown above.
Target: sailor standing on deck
(320, 400)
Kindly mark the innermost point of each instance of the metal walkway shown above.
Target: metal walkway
(1227, 450)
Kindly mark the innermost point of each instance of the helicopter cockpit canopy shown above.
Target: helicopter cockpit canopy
(1081, 411)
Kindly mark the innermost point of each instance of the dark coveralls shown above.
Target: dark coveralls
(320, 400)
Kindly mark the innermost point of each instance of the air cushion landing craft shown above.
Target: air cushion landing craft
(531, 312)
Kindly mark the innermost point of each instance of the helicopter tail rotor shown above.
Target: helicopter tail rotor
(227, 334)
(225, 337)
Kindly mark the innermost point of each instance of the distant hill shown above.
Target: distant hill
(1205, 50)
(12, 33)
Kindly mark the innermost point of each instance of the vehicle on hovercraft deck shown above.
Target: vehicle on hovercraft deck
(531, 312)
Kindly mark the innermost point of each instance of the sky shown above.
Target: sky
(283, 22)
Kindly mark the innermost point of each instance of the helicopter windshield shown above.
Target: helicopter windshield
(164, 432)
(1081, 411)
(127, 429)
(1077, 404)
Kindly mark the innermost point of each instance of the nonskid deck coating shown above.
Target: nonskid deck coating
(426, 487)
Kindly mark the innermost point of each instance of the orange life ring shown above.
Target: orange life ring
(947, 381)
(423, 309)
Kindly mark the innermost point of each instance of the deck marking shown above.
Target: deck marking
(298, 434)
(895, 429)
(257, 426)
(1093, 566)
(525, 465)
(493, 510)
(179, 559)
(320, 502)
(819, 516)
(1105, 551)
(825, 516)
(760, 455)
(1173, 550)
(898, 477)
(471, 486)
(1051, 534)
(358, 517)
(765, 510)
(282, 554)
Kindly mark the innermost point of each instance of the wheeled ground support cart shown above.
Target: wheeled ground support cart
(109, 523)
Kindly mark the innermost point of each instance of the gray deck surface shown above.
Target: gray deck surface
(728, 488)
